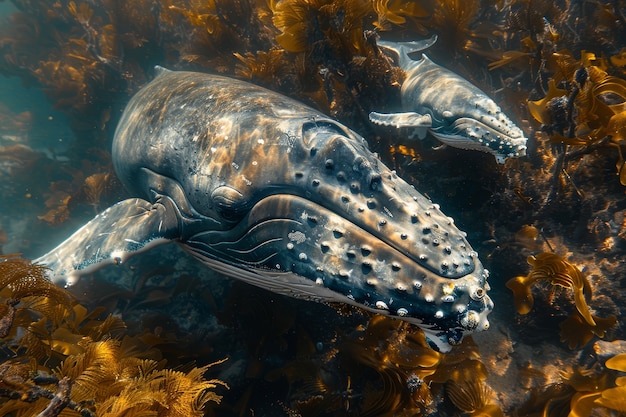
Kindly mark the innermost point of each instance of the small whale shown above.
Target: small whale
(265, 189)
(455, 111)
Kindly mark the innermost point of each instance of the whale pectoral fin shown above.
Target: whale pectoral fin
(419, 122)
(119, 232)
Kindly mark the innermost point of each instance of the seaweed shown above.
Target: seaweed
(581, 325)
(384, 368)
(473, 397)
(596, 390)
(99, 369)
(395, 12)
(266, 68)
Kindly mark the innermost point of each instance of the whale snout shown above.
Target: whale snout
(314, 253)
(483, 133)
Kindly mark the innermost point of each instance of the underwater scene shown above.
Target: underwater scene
(509, 116)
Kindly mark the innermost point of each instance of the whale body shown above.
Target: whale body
(265, 189)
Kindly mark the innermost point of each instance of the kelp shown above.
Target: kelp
(596, 390)
(371, 365)
(581, 325)
(473, 397)
(581, 104)
(100, 372)
(384, 368)
(25, 289)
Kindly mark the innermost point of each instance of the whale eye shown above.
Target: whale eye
(230, 204)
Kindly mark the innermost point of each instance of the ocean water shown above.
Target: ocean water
(73, 75)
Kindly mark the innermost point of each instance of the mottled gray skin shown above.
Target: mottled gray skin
(448, 106)
(265, 189)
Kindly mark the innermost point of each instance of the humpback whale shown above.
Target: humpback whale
(265, 189)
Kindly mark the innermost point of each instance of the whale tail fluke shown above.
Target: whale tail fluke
(403, 49)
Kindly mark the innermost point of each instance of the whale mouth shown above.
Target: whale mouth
(470, 133)
(296, 247)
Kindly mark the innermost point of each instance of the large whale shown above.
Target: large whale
(455, 111)
(265, 189)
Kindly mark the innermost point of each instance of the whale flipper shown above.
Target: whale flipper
(420, 122)
(121, 231)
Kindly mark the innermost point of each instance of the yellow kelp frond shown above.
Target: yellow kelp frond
(82, 12)
(24, 287)
(522, 296)
(303, 23)
(508, 57)
(592, 109)
(580, 327)
(264, 67)
(539, 109)
(473, 397)
(558, 271)
(186, 394)
(583, 390)
(615, 397)
(577, 332)
(395, 12)
(462, 364)
(199, 13)
(553, 268)
(67, 359)
(618, 363)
